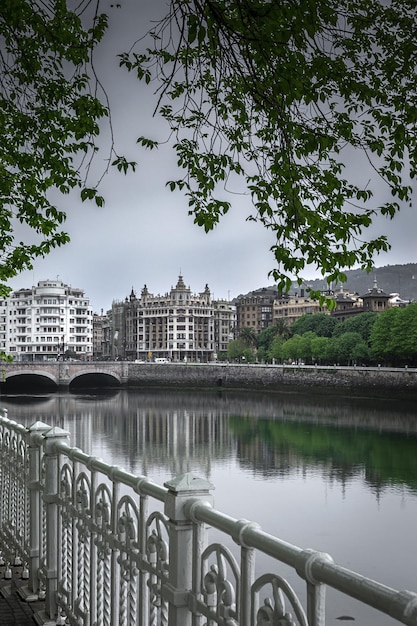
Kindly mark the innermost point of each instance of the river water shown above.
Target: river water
(332, 472)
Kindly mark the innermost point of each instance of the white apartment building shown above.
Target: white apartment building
(3, 325)
(46, 322)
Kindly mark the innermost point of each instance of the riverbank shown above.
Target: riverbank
(236, 376)
(53, 375)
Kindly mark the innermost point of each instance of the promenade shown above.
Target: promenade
(13, 610)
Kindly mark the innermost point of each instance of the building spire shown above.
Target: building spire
(180, 283)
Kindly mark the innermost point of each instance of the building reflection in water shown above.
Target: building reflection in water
(269, 434)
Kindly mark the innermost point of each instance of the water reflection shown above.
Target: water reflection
(334, 472)
(275, 446)
(268, 434)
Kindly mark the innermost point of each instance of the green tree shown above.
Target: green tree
(382, 336)
(281, 95)
(319, 349)
(305, 347)
(290, 349)
(277, 95)
(275, 351)
(236, 349)
(262, 355)
(248, 355)
(405, 334)
(268, 336)
(361, 323)
(394, 336)
(320, 323)
(50, 111)
(351, 348)
(249, 337)
(332, 351)
(282, 328)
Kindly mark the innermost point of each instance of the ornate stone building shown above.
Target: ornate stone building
(178, 326)
(375, 300)
(346, 304)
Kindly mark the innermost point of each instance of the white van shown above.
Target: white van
(161, 360)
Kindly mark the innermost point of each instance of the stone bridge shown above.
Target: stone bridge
(63, 374)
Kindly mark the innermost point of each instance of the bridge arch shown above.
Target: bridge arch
(29, 380)
(96, 378)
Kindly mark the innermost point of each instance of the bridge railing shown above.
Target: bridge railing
(104, 547)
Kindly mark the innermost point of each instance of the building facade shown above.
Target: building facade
(292, 306)
(177, 326)
(100, 335)
(49, 321)
(264, 307)
(224, 325)
(254, 310)
(375, 301)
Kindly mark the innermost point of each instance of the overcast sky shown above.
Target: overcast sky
(143, 234)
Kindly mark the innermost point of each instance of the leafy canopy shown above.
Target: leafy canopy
(49, 120)
(394, 336)
(321, 324)
(282, 96)
(276, 94)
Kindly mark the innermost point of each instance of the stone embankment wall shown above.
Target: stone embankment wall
(268, 376)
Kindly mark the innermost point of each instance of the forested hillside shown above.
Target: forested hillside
(400, 279)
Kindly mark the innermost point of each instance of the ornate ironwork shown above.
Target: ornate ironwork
(273, 610)
(116, 564)
(102, 542)
(158, 558)
(220, 585)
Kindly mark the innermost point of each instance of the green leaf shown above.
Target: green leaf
(270, 100)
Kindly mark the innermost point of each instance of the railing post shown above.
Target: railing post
(316, 591)
(180, 580)
(51, 437)
(35, 451)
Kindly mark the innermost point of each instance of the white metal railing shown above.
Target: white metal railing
(100, 554)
